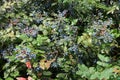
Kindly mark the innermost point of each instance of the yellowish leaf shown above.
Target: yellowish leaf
(45, 64)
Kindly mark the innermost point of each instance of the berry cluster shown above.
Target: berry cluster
(74, 49)
(7, 51)
(30, 31)
(101, 31)
(24, 54)
(62, 14)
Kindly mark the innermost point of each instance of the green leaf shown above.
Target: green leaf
(85, 39)
(61, 75)
(91, 70)
(82, 67)
(6, 73)
(23, 37)
(74, 21)
(9, 78)
(64, 1)
(112, 10)
(83, 71)
(103, 64)
(39, 51)
(15, 73)
(6, 65)
(47, 73)
(106, 74)
(1, 79)
(95, 75)
(11, 58)
(13, 68)
(45, 32)
(34, 42)
(103, 58)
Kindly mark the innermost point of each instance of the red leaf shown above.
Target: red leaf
(28, 65)
(21, 78)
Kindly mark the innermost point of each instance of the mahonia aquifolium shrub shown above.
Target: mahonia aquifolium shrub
(59, 39)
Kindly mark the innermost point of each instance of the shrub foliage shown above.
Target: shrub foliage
(60, 39)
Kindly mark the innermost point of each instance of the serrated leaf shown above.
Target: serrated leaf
(83, 70)
(95, 75)
(103, 64)
(91, 70)
(106, 74)
(103, 58)
(45, 64)
(15, 73)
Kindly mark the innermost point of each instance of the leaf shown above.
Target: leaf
(64, 1)
(40, 39)
(82, 67)
(9, 78)
(28, 65)
(6, 65)
(116, 70)
(45, 32)
(91, 70)
(1, 79)
(74, 22)
(6, 75)
(45, 64)
(39, 51)
(47, 73)
(11, 58)
(83, 70)
(30, 78)
(13, 68)
(95, 75)
(106, 73)
(21, 78)
(103, 58)
(103, 64)
(15, 73)
(61, 75)
(85, 39)
(23, 37)
(34, 42)
(112, 10)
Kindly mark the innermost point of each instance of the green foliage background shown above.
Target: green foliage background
(83, 36)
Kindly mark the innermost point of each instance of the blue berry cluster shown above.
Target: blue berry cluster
(101, 31)
(63, 13)
(7, 51)
(74, 49)
(30, 31)
(24, 54)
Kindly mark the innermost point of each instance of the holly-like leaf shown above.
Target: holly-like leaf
(103, 58)
(45, 64)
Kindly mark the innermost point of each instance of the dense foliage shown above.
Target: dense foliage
(60, 39)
